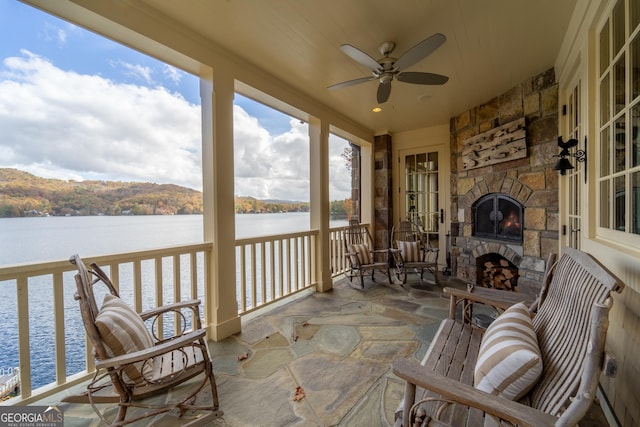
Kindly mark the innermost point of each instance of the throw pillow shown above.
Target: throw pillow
(362, 252)
(509, 361)
(410, 251)
(123, 331)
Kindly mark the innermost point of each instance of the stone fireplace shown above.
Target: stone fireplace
(504, 187)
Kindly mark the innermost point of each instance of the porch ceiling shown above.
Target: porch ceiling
(492, 45)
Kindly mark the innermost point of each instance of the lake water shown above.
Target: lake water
(32, 240)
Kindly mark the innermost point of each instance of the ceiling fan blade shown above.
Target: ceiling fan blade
(361, 57)
(422, 78)
(384, 90)
(420, 51)
(350, 83)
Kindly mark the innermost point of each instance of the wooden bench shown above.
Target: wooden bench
(570, 325)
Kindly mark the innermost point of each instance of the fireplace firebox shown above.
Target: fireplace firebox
(498, 216)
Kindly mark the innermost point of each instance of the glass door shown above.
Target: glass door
(420, 195)
(574, 177)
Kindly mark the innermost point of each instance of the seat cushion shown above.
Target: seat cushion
(509, 361)
(123, 331)
(362, 252)
(410, 251)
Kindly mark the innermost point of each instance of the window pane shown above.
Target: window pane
(619, 85)
(573, 192)
(433, 161)
(635, 138)
(618, 26)
(605, 111)
(618, 215)
(421, 160)
(620, 144)
(410, 164)
(605, 203)
(605, 152)
(635, 203)
(604, 48)
(635, 66)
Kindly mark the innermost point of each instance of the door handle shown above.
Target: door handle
(441, 216)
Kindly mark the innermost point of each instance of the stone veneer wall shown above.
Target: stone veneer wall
(383, 191)
(531, 180)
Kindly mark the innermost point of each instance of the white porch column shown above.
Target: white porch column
(319, 201)
(217, 93)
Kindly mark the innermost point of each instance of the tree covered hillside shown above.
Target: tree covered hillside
(23, 194)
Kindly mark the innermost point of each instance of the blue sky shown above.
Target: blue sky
(75, 105)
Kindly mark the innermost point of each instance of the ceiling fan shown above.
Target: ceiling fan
(388, 67)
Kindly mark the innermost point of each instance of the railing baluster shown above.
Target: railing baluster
(24, 348)
(243, 279)
(272, 271)
(281, 266)
(193, 268)
(137, 286)
(159, 290)
(263, 274)
(58, 321)
(177, 290)
(254, 303)
(303, 262)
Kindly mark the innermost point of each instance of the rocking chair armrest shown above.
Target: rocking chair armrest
(514, 412)
(142, 355)
(193, 304)
(491, 297)
(380, 251)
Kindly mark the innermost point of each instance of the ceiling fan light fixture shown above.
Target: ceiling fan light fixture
(377, 109)
(389, 68)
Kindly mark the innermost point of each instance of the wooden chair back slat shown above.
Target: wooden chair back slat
(562, 325)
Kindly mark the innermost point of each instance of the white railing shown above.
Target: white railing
(270, 268)
(337, 251)
(48, 335)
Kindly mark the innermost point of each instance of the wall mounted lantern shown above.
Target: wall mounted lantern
(563, 164)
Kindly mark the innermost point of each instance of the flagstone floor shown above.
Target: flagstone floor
(335, 347)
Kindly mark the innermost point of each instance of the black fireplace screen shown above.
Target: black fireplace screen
(498, 216)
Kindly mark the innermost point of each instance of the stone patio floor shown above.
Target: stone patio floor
(336, 345)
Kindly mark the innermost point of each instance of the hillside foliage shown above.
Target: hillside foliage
(24, 194)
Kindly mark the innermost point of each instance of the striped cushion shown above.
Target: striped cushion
(362, 252)
(509, 361)
(410, 251)
(123, 331)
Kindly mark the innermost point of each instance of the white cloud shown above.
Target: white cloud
(54, 33)
(61, 124)
(136, 71)
(172, 73)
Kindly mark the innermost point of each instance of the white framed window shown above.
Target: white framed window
(618, 173)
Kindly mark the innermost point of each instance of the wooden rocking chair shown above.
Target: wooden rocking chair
(467, 380)
(361, 256)
(411, 254)
(133, 364)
